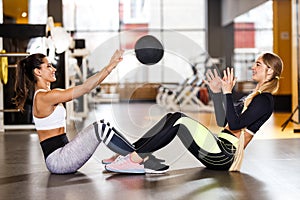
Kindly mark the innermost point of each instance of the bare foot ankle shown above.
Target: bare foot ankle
(135, 157)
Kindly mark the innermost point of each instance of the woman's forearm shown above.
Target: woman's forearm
(97, 78)
(219, 109)
(91, 83)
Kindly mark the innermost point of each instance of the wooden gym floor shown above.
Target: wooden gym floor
(270, 171)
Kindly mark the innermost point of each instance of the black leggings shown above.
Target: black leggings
(210, 150)
(161, 134)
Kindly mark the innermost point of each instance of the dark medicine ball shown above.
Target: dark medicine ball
(148, 50)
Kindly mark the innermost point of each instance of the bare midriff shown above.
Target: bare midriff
(45, 134)
(248, 137)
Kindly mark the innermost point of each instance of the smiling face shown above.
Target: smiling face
(261, 72)
(46, 71)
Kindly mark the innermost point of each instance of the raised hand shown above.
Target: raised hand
(213, 81)
(115, 59)
(228, 80)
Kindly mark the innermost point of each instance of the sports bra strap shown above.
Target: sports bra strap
(38, 91)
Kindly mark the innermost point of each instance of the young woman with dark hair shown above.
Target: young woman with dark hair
(61, 155)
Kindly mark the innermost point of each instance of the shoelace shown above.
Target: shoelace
(124, 160)
(118, 159)
(121, 160)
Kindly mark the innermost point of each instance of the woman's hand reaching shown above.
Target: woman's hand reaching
(213, 81)
(115, 59)
(216, 84)
(228, 81)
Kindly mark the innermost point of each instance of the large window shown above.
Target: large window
(107, 25)
(253, 34)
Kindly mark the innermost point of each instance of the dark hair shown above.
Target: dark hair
(25, 78)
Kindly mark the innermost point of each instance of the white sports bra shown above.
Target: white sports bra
(56, 119)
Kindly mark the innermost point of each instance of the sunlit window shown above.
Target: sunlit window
(253, 34)
(112, 20)
(100, 21)
(37, 11)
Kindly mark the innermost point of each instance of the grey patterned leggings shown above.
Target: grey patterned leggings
(74, 154)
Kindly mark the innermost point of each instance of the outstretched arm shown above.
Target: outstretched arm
(56, 96)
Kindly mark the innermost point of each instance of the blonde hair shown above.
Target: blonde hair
(274, 62)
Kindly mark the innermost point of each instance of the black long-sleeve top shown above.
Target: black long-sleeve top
(258, 112)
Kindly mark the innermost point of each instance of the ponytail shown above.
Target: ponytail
(25, 78)
(249, 98)
(269, 86)
(20, 86)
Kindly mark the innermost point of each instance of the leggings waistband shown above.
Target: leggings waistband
(51, 144)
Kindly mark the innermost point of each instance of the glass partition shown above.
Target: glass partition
(253, 34)
(100, 21)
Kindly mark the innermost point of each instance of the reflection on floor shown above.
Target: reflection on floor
(271, 168)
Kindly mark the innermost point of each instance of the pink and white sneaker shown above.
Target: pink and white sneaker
(125, 165)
